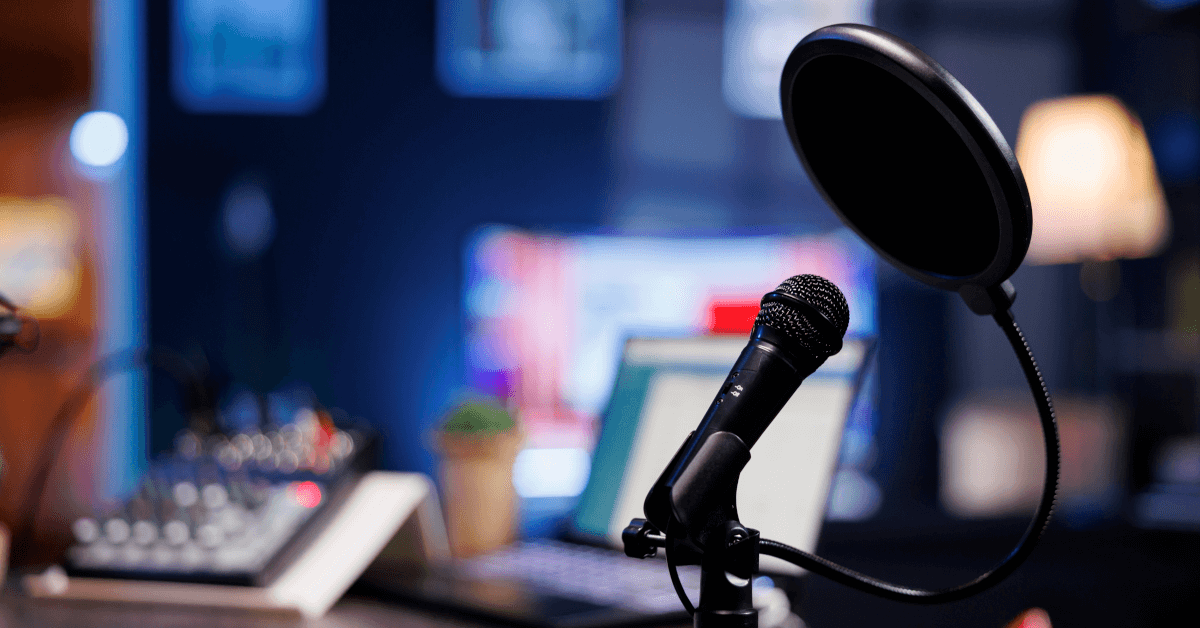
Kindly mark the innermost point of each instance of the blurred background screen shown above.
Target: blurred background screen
(547, 317)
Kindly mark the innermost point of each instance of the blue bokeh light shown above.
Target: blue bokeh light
(264, 57)
(99, 139)
(248, 220)
(529, 48)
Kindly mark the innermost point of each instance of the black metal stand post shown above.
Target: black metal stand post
(727, 581)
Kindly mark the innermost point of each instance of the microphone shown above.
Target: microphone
(798, 326)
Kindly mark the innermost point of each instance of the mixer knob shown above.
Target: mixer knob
(185, 494)
(176, 532)
(215, 496)
(86, 530)
(145, 532)
(116, 531)
(210, 535)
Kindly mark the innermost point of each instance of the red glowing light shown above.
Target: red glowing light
(732, 317)
(1034, 618)
(307, 494)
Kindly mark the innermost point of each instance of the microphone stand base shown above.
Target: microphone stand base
(726, 619)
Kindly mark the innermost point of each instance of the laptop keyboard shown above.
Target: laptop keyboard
(601, 576)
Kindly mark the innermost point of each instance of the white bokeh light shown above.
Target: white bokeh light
(554, 472)
(99, 138)
(759, 36)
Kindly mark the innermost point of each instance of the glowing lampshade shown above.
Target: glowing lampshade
(40, 268)
(1091, 179)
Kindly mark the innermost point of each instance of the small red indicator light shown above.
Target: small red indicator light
(732, 317)
(307, 494)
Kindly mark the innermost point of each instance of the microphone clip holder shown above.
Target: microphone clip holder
(727, 569)
(704, 530)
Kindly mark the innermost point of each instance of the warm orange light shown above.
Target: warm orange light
(1092, 182)
(40, 270)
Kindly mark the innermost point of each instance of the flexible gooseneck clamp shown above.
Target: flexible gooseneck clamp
(711, 535)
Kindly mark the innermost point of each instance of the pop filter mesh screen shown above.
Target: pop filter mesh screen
(894, 167)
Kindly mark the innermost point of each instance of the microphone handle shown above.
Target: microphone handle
(761, 382)
(758, 386)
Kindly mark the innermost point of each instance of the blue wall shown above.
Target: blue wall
(373, 194)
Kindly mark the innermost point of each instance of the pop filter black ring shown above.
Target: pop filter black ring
(956, 107)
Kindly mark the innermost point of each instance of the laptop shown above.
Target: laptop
(662, 389)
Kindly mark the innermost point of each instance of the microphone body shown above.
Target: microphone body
(782, 351)
(760, 383)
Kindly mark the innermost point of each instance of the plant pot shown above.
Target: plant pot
(480, 502)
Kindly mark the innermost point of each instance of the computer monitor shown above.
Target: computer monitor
(547, 316)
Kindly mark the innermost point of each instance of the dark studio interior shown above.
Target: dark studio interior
(331, 300)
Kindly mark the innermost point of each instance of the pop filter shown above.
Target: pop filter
(907, 158)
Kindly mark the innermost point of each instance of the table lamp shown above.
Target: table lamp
(1091, 179)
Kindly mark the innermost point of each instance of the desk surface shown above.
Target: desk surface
(18, 611)
(1115, 577)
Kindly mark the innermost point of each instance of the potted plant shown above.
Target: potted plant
(478, 441)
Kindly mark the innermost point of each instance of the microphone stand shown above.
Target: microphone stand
(726, 551)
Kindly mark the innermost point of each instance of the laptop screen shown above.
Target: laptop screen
(663, 388)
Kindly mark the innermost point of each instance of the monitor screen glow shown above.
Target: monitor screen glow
(548, 314)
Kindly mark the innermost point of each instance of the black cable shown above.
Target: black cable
(862, 582)
(60, 426)
(68, 413)
(673, 569)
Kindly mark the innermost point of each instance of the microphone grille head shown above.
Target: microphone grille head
(795, 324)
